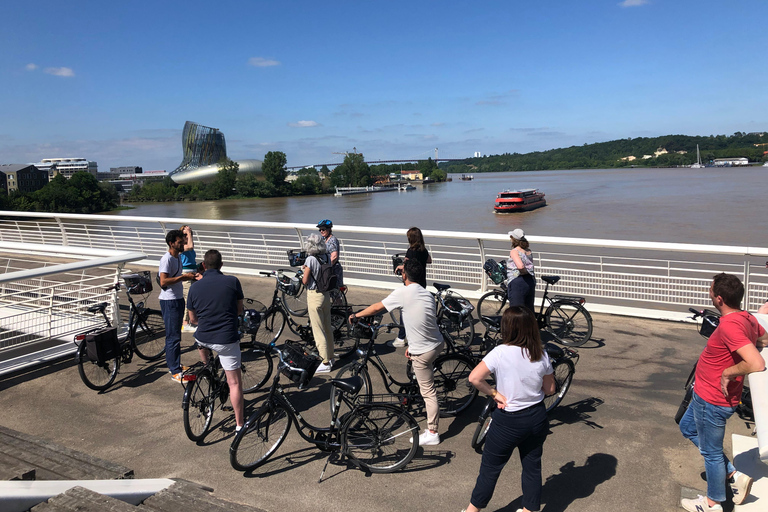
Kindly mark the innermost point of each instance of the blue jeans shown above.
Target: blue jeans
(173, 315)
(704, 424)
(525, 430)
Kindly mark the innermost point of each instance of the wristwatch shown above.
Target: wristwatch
(494, 393)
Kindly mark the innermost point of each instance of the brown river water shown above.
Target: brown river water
(722, 206)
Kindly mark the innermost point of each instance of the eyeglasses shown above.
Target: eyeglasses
(323, 230)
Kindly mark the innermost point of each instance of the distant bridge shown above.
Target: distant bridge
(381, 162)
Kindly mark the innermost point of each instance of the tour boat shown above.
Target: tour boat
(519, 200)
(466, 177)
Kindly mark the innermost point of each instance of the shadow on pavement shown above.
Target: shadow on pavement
(577, 412)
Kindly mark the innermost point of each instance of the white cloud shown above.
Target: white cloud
(304, 124)
(67, 72)
(261, 62)
(30, 67)
(633, 3)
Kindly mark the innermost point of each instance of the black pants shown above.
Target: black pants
(521, 291)
(525, 430)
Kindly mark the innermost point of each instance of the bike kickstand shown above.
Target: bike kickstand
(322, 473)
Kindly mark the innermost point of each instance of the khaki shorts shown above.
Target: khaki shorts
(229, 354)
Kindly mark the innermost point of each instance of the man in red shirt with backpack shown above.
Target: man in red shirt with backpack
(730, 354)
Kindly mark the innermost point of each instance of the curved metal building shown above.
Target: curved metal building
(204, 148)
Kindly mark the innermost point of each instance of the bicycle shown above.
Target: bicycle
(454, 392)
(375, 437)
(294, 296)
(99, 352)
(275, 317)
(565, 318)
(564, 365)
(205, 384)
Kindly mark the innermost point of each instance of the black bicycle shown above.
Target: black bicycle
(206, 384)
(376, 437)
(294, 292)
(565, 318)
(99, 352)
(454, 392)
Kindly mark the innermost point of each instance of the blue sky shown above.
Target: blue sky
(115, 83)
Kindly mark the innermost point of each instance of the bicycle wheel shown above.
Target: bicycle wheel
(478, 438)
(462, 330)
(94, 375)
(396, 314)
(270, 328)
(343, 342)
(197, 406)
(296, 304)
(256, 366)
(454, 392)
(148, 335)
(260, 437)
(490, 307)
(564, 370)
(569, 323)
(351, 370)
(380, 438)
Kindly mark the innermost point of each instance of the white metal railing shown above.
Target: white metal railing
(44, 304)
(648, 279)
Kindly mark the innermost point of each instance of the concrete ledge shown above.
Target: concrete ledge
(747, 460)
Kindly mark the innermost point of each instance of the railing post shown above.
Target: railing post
(64, 240)
(50, 312)
(483, 281)
(746, 283)
(116, 299)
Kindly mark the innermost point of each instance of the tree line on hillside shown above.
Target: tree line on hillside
(82, 193)
(354, 172)
(614, 154)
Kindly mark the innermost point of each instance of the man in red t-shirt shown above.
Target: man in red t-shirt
(730, 354)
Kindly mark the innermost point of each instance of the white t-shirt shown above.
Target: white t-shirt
(517, 378)
(171, 266)
(419, 317)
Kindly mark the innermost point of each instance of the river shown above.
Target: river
(722, 206)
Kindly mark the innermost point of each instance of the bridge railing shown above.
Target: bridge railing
(648, 279)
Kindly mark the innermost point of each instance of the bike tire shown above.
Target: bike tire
(343, 341)
(197, 405)
(396, 315)
(296, 304)
(461, 330)
(351, 370)
(256, 366)
(569, 322)
(148, 335)
(483, 425)
(94, 375)
(454, 391)
(564, 370)
(490, 307)
(270, 328)
(380, 438)
(260, 437)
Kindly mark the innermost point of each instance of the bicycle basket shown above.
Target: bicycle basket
(397, 260)
(296, 257)
(301, 365)
(362, 329)
(251, 321)
(496, 271)
(288, 285)
(138, 283)
(708, 325)
(458, 305)
(102, 345)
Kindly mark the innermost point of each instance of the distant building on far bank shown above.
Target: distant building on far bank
(116, 172)
(22, 177)
(66, 166)
(730, 162)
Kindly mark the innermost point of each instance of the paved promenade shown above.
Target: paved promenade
(613, 445)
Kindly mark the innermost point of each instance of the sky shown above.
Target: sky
(114, 82)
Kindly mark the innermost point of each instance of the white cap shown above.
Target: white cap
(517, 234)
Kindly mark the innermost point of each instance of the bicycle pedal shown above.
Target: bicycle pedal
(227, 408)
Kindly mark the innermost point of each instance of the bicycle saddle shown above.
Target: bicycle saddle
(348, 385)
(98, 308)
(550, 279)
(441, 287)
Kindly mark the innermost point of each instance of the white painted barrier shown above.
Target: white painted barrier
(758, 387)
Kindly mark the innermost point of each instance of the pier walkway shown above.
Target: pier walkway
(613, 443)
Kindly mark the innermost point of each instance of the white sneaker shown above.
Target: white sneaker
(700, 504)
(740, 486)
(189, 328)
(427, 438)
(325, 367)
(399, 342)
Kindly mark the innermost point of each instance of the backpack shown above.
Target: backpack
(326, 280)
(496, 271)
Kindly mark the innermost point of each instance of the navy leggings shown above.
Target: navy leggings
(525, 430)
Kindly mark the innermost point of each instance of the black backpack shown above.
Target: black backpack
(326, 280)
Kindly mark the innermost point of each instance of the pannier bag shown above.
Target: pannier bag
(290, 285)
(496, 271)
(296, 357)
(251, 321)
(296, 257)
(140, 282)
(102, 345)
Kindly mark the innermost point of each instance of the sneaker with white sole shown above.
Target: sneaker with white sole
(427, 438)
(740, 485)
(325, 367)
(700, 504)
(399, 342)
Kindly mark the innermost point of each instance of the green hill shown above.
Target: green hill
(665, 151)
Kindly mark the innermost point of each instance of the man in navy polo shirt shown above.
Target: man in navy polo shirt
(215, 302)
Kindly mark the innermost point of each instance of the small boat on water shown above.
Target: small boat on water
(466, 177)
(698, 164)
(519, 201)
